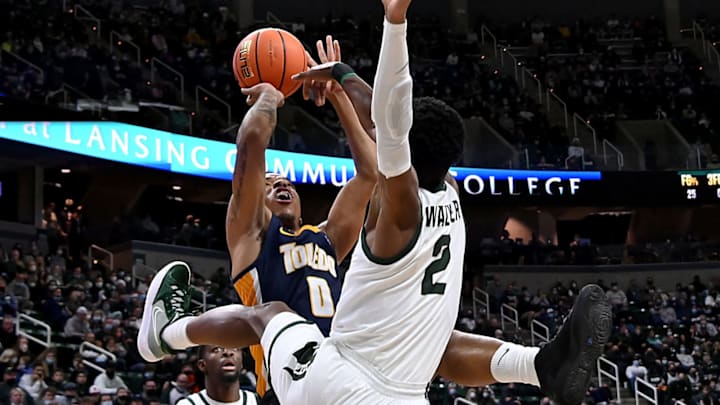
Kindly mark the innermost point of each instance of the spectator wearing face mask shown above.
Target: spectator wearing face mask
(106, 399)
(23, 347)
(9, 385)
(635, 371)
(150, 390)
(49, 358)
(108, 381)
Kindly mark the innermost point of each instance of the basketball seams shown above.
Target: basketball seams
(257, 59)
(282, 76)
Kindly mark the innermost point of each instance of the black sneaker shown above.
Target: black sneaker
(565, 365)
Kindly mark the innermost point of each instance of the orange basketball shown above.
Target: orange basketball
(270, 55)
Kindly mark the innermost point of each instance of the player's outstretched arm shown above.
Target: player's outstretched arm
(347, 213)
(247, 215)
(392, 112)
(346, 216)
(360, 94)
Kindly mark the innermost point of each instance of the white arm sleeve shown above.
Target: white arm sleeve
(392, 104)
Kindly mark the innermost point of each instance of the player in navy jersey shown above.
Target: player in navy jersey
(275, 257)
(295, 265)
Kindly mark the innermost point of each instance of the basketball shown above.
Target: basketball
(270, 55)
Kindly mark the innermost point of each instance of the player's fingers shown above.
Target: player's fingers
(330, 48)
(321, 52)
(307, 88)
(338, 55)
(310, 61)
(319, 91)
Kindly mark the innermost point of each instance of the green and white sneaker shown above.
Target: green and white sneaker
(167, 300)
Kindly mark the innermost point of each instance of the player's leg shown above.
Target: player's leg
(289, 341)
(167, 325)
(562, 368)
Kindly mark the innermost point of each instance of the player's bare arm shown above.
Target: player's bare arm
(342, 227)
(247, 216)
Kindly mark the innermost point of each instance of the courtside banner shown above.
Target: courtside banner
(201, 157)
(183, 154)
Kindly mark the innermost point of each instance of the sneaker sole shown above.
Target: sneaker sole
(599, 316)
(146, 323)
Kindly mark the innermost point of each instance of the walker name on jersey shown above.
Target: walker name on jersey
(442, 215)
(296, 257)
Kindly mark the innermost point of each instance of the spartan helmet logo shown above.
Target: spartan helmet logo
(303, 358)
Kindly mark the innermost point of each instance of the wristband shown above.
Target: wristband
(342, 72)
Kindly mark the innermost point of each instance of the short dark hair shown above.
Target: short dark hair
(437, 138)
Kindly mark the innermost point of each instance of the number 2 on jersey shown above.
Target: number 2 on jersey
(442, 248)
(321, 300)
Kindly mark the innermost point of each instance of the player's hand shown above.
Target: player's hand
(264, 90)
(318, 80)
(396, 10)
(319, 73)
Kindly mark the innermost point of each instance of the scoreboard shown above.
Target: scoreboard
(703, 186)
(666, 188)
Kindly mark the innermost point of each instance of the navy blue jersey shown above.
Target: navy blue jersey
(297, 268)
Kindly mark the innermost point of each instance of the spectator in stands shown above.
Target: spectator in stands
(635, 371)
(179, 389)
(150, 390)
(78, 325)
(19, 289)
(600, 395)
(23, 346)
(576, 155)
(8, 387)
(8, 335)
(18, 397)
(34, 383)
(81, 383)
(108, 381)
(680, 389)
(616, 296)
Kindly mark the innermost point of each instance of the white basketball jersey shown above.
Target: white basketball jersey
(395, 317)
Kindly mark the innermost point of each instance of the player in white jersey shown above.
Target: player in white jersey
(395, 315)
(394, 320)
(222, 379)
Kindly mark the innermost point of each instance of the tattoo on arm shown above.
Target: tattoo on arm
(267, 107)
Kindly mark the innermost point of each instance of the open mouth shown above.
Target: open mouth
(284, 196)
(228, 366)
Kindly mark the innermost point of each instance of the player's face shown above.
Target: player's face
(281, 197)
(220, 363)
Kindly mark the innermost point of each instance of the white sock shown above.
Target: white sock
(175, 334)
(513, 363)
